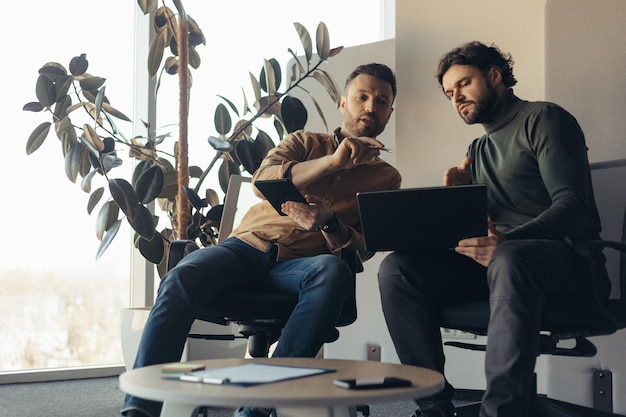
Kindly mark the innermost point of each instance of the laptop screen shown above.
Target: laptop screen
(422, 218)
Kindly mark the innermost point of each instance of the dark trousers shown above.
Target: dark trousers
(522, 273)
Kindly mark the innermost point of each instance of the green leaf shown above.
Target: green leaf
(305, 39)
(125, 197)
(220, 144)
(147, 6)
(211, 197)
(250, 155)
(85, 184)
(143, 222)
(94, 198)
(264, 142)
(327, 81)
(154, 249)
(271, 76)
(170, 185)
(62, 86)
(60, 108)
(150, 184)
(293, 113)
(33, 106)
(92, 83)
(108, 238)
(98, 102)
(155, 55)
(322, 41)
(72, 161)
(256, 87)
(114, 112)
(222, 120)
(79, 65)
(140, 168)
(107, 217)
(230, 104)
(227, 169)
(193, 198)
(36, 138)
(46, 91)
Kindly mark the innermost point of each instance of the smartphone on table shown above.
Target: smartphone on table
(373, 383)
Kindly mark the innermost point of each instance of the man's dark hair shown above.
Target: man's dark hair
(380, 71)
(481, 56)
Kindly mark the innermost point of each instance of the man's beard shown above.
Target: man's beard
(483, 107)
(369, 130)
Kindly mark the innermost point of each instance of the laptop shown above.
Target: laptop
(422, 218)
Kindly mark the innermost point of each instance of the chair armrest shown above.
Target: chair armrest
(351, 257)
(591, 258)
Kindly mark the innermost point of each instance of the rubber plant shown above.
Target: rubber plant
(92, 149)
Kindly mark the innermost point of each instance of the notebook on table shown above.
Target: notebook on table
(422, 218)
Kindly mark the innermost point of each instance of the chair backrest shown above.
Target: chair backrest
(239, 198)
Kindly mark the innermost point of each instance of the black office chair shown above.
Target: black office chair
(577, 321)
(259, 315)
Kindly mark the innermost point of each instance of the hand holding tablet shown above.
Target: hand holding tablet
(278, 191)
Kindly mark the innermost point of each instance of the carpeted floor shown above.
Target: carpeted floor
(101, 397)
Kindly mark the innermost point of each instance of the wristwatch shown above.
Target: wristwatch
(331, 226)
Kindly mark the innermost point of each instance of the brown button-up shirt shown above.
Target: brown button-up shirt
(262, 226)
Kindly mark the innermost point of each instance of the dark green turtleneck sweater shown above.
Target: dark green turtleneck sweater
(533, 159)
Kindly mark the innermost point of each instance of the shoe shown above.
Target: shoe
(252, 412)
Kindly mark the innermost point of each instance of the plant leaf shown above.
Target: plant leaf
(108, 238)
(170, 185)
(155, 55)
(46, 91)
(107, 217)
(305, 39)
(154, 249)
(329, 84)
(143, 223)
(37, 137)
(85, 184)
(149, 185)
(125, 197)
(193, 198)
(72, 161)
(33, 106)
(250, 155)
(115, 113)
(293, 113)
(211, 197)
(220, 144)
(222, 120)
(227, 169)
(94, 198)
(322, 41)
(79, 65)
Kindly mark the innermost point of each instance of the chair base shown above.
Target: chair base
(544, 407)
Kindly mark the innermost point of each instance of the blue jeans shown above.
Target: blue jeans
(323, 282)
(520, 276)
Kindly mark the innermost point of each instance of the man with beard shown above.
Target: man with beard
(533, 159)
(295, 253)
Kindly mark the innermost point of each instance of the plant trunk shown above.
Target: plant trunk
(183, 208)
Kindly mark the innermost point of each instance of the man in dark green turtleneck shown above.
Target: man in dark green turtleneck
(533, 159)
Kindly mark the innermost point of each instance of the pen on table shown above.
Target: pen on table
(381, 149)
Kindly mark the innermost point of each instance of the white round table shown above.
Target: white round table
(311, 396)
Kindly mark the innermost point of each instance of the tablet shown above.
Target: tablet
(278, 191)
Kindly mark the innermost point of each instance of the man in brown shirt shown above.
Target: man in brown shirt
(295, 253)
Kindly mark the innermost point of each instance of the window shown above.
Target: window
(60, 307)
